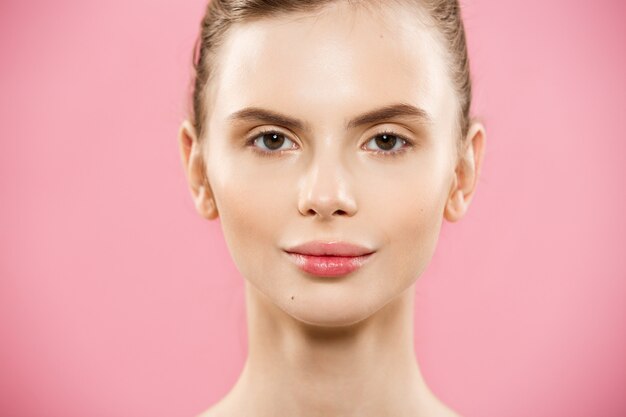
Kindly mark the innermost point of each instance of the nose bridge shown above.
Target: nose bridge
(326, 186)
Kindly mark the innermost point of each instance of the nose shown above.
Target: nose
(325, 190)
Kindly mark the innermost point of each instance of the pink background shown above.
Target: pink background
(116, 299)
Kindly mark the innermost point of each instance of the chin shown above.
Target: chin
(334, 313)
(328, 321)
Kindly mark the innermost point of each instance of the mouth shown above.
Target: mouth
(329, 259)
(328, 266)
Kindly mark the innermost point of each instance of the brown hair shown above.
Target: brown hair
(221, 14)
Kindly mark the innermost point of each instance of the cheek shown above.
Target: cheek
(250, 213)
(413, 210)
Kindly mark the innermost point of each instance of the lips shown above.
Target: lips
(329, 258)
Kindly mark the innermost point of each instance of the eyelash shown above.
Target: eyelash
(407, 143)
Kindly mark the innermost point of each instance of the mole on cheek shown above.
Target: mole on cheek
(292, 297)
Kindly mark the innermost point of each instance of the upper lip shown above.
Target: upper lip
(330, 248)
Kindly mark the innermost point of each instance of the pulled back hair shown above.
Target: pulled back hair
(445, 16)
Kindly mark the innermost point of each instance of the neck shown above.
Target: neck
(293, 368)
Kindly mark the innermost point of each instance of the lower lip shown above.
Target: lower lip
(328, 266)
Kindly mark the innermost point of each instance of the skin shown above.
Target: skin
(331, 346)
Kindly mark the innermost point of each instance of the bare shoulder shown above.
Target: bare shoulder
(212, 412)
(216, 410)
(208, 413)
(439, 409)
(448, 412)
(232, 404)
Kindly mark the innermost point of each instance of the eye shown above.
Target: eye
(270, 142)
(389, 143)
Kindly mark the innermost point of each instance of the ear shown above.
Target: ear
(467, 173)
(195, 170)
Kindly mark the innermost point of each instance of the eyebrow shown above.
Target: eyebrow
(381, 114)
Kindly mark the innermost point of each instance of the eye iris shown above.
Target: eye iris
(274, 139)
(388, 141)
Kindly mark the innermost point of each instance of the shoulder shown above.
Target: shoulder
(216, 410)
(211, 412)
(441, 411)
(448, 412)
(219, 409)
(436, 408)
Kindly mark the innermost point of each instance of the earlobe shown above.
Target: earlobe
(455, 206)
(205, 204)
(194, 166)
(466, 174)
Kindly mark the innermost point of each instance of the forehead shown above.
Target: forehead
(330, 62)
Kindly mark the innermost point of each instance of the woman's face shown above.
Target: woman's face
(334, 177)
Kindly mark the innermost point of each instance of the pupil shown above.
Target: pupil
(387, 142)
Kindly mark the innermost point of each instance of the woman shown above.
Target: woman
(331, 138)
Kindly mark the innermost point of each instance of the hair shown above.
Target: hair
(220, 15)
